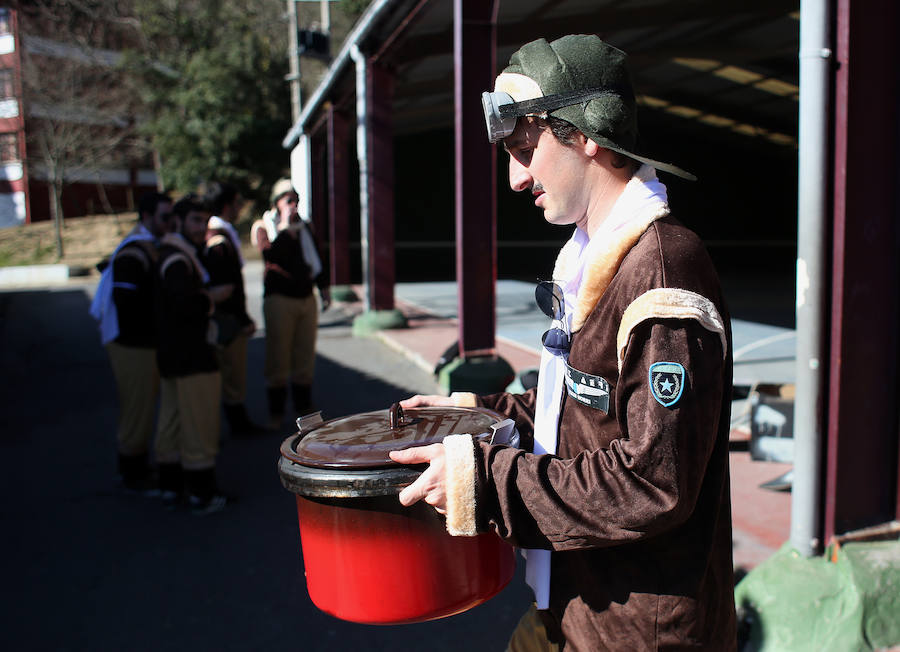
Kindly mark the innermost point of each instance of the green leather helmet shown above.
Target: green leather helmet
(577, 78)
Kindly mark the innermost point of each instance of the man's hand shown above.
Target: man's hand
(325, 293)
(259, 234)
(220, 293)
(278, 269)
(431, 485)
(431, 400)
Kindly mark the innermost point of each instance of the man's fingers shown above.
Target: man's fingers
(415, 455)
(431, 400)
(429, 486)
(437, 500)
(411, 494)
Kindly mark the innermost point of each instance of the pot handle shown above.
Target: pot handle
(395, 416)
(309, 422)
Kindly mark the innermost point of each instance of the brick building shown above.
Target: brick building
(25, 194)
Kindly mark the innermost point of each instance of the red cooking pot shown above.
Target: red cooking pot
(368, 559)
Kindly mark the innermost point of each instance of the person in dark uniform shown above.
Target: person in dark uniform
(620, 489)
(191, 388)
(225, 263)
(123, 304)
(293, 270)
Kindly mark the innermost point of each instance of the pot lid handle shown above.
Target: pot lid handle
(395, 416)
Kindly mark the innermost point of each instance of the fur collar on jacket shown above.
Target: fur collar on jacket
(606, 256)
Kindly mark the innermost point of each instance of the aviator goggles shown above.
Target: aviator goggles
(501, 111)
(549, 298)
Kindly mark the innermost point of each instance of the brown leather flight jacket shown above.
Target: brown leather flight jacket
(636, 502)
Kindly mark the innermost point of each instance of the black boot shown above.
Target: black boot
(135, 473)
(203, 494)
(239, 421)
(171, 484)
(302, 398)
(277, 397)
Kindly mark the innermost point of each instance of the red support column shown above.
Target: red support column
(479, 369)
(338, 189)
(380, 151)
(474, 51)
(861, 470)
(21, 141)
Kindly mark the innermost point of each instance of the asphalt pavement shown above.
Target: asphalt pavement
(90, 567)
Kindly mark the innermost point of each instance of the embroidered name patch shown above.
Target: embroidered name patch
(667, 382)
(589, 390)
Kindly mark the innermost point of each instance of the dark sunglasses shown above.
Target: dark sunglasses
(551, 301)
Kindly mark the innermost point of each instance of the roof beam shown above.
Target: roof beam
(611, 18)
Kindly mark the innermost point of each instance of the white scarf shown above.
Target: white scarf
(217, 223)
(103, 308)
(307, 245)
(642, 194)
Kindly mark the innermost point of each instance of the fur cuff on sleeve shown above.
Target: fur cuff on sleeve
(460, 467)
(464, 399)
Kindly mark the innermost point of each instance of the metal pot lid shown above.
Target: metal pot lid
(363, 441)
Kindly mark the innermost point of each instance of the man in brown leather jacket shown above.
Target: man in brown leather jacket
(620, 492)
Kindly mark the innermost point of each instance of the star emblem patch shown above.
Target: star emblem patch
(667, 382)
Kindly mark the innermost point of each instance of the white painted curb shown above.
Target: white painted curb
(31, 275)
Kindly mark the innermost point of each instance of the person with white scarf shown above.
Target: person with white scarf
(225, 262)
(123, 307)
(620, 492)
(293, 270)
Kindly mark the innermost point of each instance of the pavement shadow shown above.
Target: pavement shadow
(90, 567)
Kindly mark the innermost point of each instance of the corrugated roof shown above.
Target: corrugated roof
(723, 65)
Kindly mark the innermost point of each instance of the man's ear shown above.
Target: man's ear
(590, 148)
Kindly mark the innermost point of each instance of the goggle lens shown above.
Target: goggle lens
(498, 127)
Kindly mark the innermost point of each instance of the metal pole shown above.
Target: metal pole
(294, 57)
(326, 16)
(362, 156)
(362, 29)
(812, 274)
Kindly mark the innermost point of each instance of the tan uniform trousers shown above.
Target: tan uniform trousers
(530, 635)
(189, 421)
(233, 365)
(291, 325)
(137, 384)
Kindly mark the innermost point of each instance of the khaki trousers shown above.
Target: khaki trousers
(189, 421)
(530, 635)
(291, 325)
(137, 385)
(233, 365)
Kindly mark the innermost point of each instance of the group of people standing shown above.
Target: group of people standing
(173, 316)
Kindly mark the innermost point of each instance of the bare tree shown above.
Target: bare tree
(78, 111)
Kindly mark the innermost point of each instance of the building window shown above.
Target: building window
(4, 21)
(7, 89)
(9, 148)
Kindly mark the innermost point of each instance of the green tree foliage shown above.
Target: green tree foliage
(212, 76)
